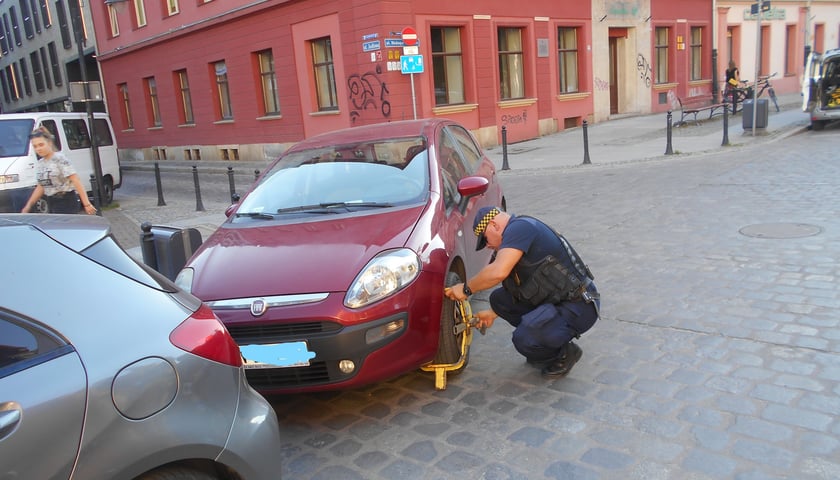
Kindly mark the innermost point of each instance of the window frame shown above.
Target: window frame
(448, 65)
(323, 69)
(563, 52)
(268, 82)
(125, 103)
(153, 104)
(183, 84)
(695, 36)
(509, 72)
(223, 100)
(662, 51)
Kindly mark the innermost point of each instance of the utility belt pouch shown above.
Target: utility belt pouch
(551, 282)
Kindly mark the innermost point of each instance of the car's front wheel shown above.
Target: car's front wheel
(449, 346)
(177, 473)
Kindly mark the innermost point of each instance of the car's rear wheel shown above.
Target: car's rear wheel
(449, 346)
(177, 473)
(817, 125)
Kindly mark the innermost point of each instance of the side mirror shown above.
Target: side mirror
(472, 186)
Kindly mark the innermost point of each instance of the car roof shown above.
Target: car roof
(76, 232)
(402, 128)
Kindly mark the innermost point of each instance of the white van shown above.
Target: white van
(821, 88)
(71, 130)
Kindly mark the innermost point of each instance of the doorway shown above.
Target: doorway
(615, 35)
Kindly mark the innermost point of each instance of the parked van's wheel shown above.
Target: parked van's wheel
(817, 125)
(449, 346)
(107, 191)
(40, 206)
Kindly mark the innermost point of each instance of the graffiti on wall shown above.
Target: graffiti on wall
(368, 91)
(601, 84)
(645, 70)
(515, 118)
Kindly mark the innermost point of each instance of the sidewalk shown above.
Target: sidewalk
(617, 141)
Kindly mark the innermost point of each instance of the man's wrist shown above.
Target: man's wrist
(467, 290)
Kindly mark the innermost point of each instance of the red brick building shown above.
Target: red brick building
(207, 79)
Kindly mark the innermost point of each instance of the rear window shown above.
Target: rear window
(14, 137)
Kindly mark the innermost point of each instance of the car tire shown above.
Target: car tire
(107, 191)
(449, 345)
(177, 473)
(817, 125)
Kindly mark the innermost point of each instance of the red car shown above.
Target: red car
(329, 273)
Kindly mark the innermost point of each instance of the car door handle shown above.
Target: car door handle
(9, 418)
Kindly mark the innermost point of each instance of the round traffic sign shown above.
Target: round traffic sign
(409, 36)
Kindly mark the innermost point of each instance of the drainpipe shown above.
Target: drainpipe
(715, 89)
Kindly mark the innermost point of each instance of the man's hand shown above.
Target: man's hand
(485, 318)
(455, 292)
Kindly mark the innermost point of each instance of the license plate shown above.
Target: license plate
(277, 355)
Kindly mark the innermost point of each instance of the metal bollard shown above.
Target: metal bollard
(256, 175)
(230, 182)
(586, 160)
(95, 187)
(147, 245)
(199, 207)
(725, 141)
(161, 203)
(505, 165)
(668, 149)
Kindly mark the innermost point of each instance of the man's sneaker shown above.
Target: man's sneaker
(539, 363)
(563, 364)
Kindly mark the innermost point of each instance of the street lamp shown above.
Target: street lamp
(76, 18)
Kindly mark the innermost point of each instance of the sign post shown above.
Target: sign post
(411, 64)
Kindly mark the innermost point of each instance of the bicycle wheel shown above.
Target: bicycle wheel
(773, 97)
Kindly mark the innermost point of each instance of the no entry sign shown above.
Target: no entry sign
(409, 36)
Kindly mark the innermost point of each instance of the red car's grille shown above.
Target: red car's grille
(271, 378)
(277, 332)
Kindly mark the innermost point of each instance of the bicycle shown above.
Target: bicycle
(764, 85)
(734, 95)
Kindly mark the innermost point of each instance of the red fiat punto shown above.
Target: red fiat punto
(329, 273)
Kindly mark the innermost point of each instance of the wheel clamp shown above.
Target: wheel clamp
(466, 324)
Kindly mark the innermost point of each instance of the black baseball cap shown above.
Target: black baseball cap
(482, 218)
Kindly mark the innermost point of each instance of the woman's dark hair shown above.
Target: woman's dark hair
(41, 132)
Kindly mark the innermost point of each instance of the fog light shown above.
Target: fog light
(383, 331)
(346, 366)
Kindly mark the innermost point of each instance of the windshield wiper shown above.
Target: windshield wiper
(329, 207)
(260, 215)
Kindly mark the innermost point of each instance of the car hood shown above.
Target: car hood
(308, 256)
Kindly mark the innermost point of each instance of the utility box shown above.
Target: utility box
(167, 249)
(761, 115)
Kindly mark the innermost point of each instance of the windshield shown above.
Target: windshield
(341, 178)
(14, 137)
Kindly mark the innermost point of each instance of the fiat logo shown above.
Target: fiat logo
(258, 307)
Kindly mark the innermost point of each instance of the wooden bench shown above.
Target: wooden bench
(697, 104)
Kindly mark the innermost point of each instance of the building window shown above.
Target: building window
(696, 53)
(140, 13)
(66, 39)
(6, 96)
(322, 62)
(268, 82)
(35, 60)
(567, 59)
(152, 99)
(511, 68)
(33, 8)
(223, 91)
(662, 35)
(113, 20)
(45, 14)
(790, 50)
(27, 87)
(186, 100)
(54, 63)
(28, 27)
(447, 65)
(5, 40)
(126, 106)
(15, 26)
(172, 7)
(46, 70)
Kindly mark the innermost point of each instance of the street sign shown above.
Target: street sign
(765, 7)
(409, 36)
(411, 63)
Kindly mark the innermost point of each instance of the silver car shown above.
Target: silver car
(821, 88)
(109, 371)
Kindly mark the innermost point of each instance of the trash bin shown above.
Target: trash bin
(761, 115)
(173, 246)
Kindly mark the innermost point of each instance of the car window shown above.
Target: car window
(24, 344)
(470, 152)
(53, 128)
(452, 169)
(76, 132)
(373, 173)
(14, 137)
(102, 133)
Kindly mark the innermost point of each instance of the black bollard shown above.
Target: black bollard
(95, 188)
(256, 175)
(199, 207)
(725, 141)
(668, 149)
(230, 181)
(586, 160)
(505, 165)
(147, 245)
(161, 203)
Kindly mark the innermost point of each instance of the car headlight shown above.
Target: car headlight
(184, 279)
(384, 275)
